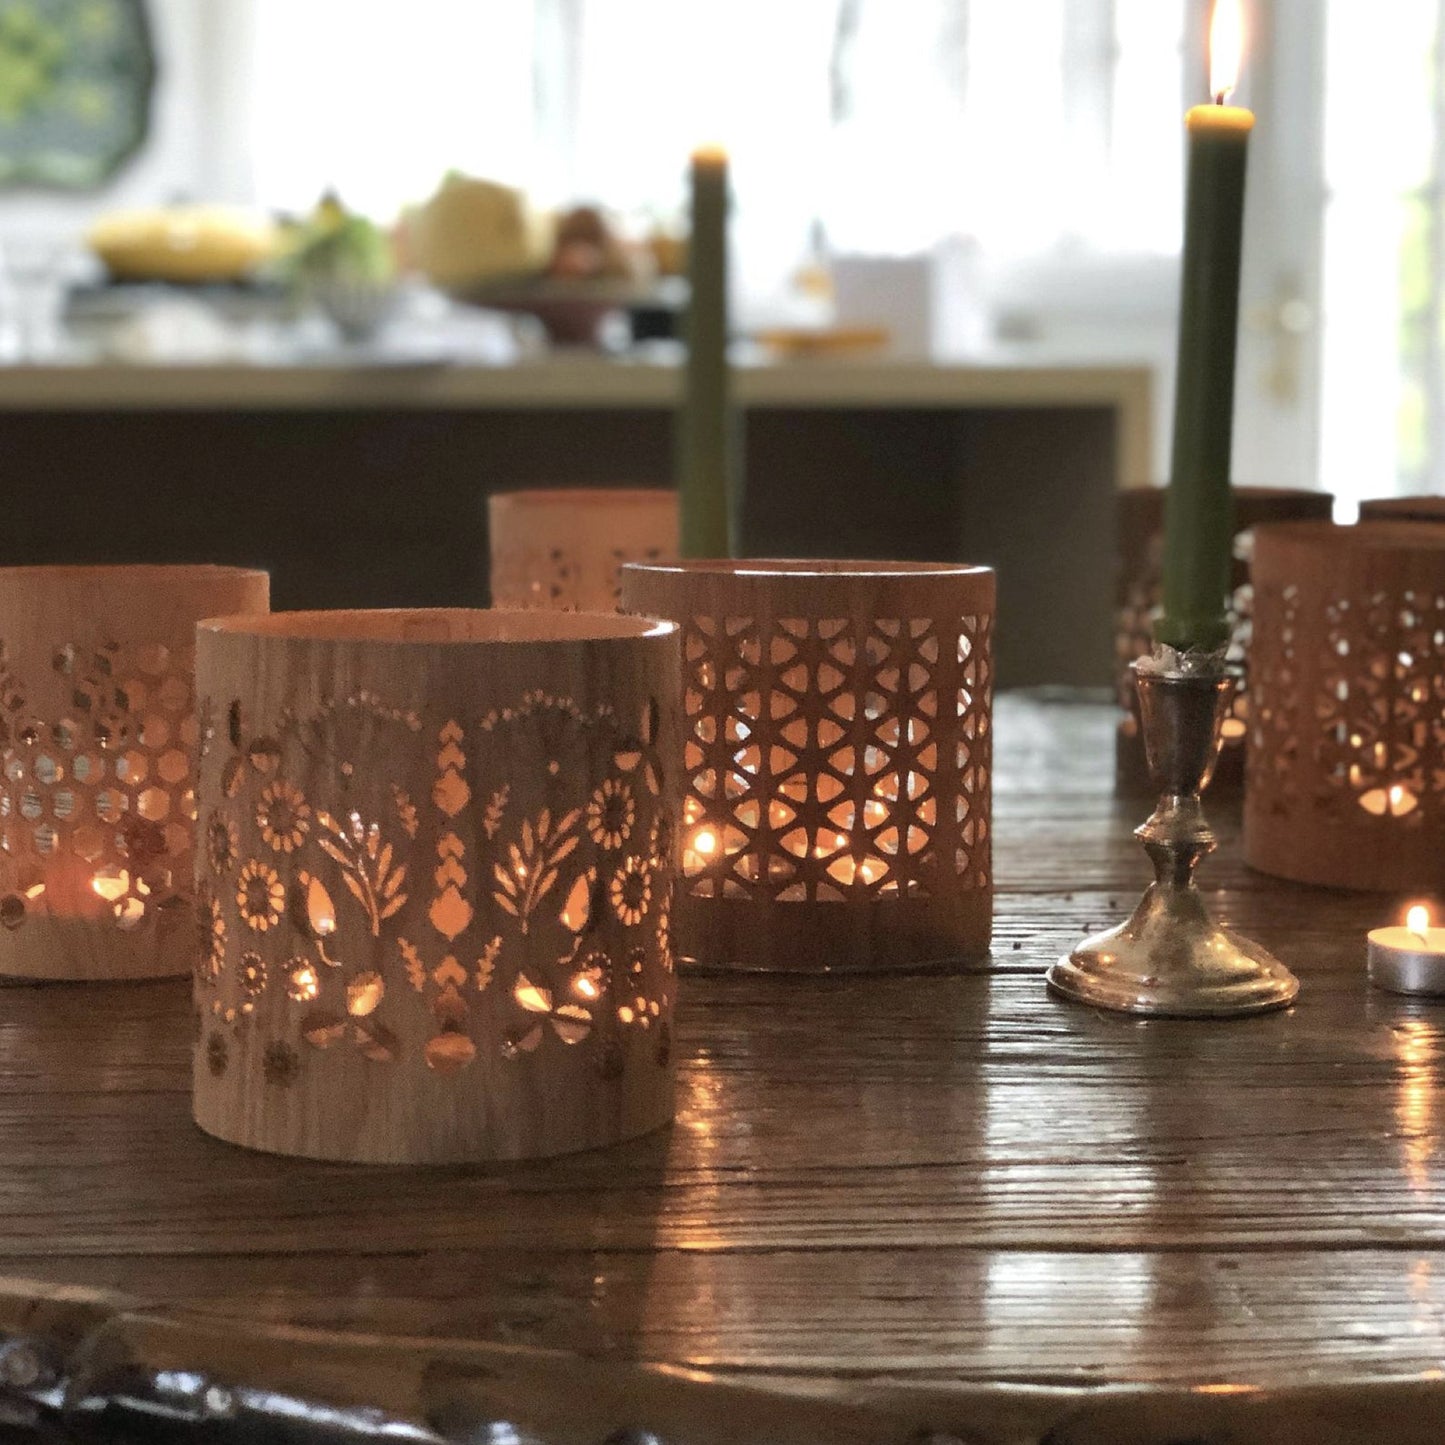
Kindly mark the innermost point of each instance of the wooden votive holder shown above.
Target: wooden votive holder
(838, 757)
(1403, 509)
(435, 883)
(98, 736)
(1140, 582)
(1347, 730)
(564, 548)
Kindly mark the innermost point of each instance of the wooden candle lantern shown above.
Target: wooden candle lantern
(436, 883)
(97, 745)
(564, 548)
(1347, 732)
(838, 758)
(1403, 509)
(1141, 543)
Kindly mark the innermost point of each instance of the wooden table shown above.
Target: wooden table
(948, 1201)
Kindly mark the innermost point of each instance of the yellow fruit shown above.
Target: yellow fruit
(473, 233)
(183, 243)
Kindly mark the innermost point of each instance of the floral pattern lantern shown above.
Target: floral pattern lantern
(436, 883)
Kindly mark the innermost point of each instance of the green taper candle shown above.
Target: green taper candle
(1199, 510)
(706, 434)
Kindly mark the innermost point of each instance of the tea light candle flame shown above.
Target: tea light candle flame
(1417, 920)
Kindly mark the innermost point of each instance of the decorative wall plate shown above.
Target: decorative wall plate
(76, 78)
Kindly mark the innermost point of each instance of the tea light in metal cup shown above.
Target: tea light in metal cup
(1409, 959)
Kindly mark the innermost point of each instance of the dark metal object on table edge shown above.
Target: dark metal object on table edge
(1170, 958)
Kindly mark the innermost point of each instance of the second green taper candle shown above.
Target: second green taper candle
(707, 465)
(1199, 507)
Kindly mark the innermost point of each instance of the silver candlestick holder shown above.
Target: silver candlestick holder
(1171, 958)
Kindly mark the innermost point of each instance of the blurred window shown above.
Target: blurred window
(378, 100)
(1383, 419)
(1025, 123)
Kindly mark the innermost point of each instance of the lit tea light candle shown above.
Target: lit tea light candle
(701, 849)
(1409, 959)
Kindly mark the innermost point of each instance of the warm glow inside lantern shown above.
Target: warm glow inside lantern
(98, 735)
(838, 759)
(563, 548)
(1346, 747)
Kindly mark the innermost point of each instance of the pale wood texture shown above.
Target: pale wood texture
(435, 883)
(838, 760)
(948, 1198)
(1346, 747)
(97, 749)
(1140, 583)
(564, 548)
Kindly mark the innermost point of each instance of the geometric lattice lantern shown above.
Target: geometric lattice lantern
(838, 760)
(1346, 766)
(564, 548)
(97, 748)
(435, 883)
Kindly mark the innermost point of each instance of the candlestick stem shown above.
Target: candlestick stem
(1171, 958)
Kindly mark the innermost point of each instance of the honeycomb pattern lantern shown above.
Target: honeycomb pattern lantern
(564, 548)
(1346, 765)
(98, 739)
(838, 760)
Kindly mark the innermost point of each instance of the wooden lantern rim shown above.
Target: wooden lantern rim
(1359, 537)
(802, 567)
(432, 626)
(1251, 493)
(147, 574)
(570, 496)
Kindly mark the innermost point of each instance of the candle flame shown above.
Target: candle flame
(1226, 48)
(1417, 920)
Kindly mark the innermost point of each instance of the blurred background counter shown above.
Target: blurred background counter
(362, 481)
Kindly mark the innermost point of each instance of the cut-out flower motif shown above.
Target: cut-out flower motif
(210, 936)
(533, 865)
(253, 973)
(664, 932)
(260, 896)
(283, 816)
(611, 813)
(223, 843)
(631, 891)
(366, 866)
(571, 1022)
(303, 983)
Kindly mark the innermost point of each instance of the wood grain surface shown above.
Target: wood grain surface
(880, 1188)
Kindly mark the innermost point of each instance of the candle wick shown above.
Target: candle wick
(1220, 96)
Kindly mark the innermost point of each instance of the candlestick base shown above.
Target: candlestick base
(1170, 958)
